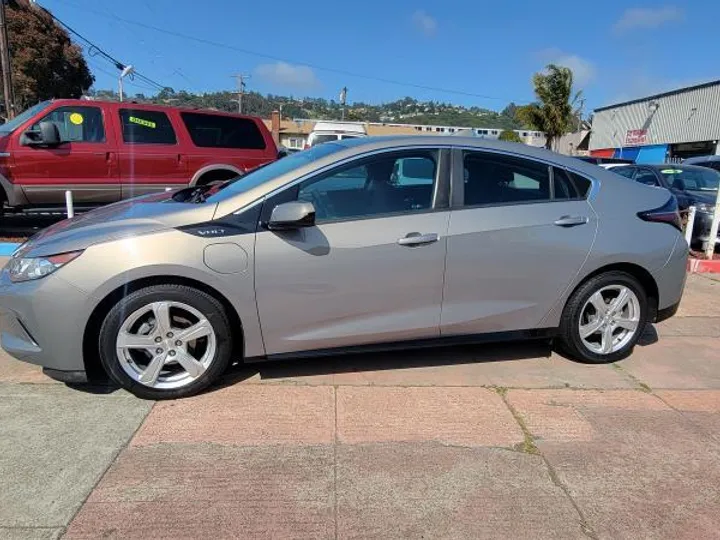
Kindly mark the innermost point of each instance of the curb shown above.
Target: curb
(702, 266)
(7, 248)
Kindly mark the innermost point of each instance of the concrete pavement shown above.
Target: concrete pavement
(478, 442)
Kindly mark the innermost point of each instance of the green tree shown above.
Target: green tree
(509, 135)
(554, 113)
(45, 63)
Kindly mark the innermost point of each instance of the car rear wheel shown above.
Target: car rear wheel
(166, 341)
(604, 318)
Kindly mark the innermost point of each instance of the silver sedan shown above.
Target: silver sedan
(349, 246)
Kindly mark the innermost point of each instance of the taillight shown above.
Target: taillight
(667, 213)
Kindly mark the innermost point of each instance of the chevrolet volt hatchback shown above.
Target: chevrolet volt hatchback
(349, 246)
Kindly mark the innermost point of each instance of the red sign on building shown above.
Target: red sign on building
(635, 137)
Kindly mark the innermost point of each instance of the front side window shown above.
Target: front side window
(374, 187)
(77, 124)
(215, 131)
(493, 179)
(146, 127)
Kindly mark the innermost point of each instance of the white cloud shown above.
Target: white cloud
(424, 23)
(288, 76)
(583, 70)
(641, 18)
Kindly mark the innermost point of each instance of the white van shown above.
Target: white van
(334, 131)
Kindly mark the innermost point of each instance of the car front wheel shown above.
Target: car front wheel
(166, 341)
(604, 318)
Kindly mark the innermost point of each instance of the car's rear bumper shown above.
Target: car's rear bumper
(670, 279)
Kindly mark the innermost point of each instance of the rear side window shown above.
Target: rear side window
(214, 131)
(627, 172)
(319, 139)
(582, 185)
(146, 127)
(492, 179)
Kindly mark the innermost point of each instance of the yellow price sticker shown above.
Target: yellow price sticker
(141, 122)
(76, 118)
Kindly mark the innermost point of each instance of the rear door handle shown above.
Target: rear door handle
(571, 221)
(417, 239)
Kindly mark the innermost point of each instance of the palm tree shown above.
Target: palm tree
(555, 112)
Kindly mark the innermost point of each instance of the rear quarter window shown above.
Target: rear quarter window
(214, 131)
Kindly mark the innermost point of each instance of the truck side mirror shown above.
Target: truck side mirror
(47, 134)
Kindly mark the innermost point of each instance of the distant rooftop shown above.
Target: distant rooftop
(655, 96)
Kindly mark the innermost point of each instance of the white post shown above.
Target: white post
(690, 224)
(69, 204)
(710, 246)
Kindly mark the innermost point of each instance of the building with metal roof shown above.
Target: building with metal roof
(663, 127)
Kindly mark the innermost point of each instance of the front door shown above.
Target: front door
(370, 271)
(84, 163)
(520, 232)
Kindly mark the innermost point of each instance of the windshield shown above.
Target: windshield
(272, 170)
(692, 179)
(21, 118)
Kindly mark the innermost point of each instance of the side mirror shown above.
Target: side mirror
(282, 152)
(292, 215)
(48, 134)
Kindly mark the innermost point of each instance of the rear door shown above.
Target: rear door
(85, 162)
(150, 157)
(520, 231)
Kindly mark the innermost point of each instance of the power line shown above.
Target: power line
(279, 59)
(94, 50)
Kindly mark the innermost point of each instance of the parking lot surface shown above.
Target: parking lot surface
(498, 441)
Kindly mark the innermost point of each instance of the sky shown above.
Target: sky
(465, 52)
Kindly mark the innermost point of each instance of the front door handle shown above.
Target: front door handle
(417, 239)
(571, 221)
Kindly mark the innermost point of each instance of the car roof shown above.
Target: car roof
(365, 144)
(701, 159)
(149, 107)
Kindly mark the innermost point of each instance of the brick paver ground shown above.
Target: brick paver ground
(502, 441)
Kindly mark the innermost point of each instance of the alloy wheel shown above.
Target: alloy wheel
(609, 319)
(166, 345)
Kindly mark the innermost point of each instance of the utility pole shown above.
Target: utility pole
(5, 60)
(343, 101)
(240, 79)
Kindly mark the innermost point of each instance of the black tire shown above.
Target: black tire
(210, 307)
(569, 340)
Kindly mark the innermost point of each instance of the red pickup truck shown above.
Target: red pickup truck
(105, 151)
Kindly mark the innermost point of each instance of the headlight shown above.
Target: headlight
(25, 269)
(705, 208)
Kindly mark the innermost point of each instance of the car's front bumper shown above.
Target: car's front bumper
(43, 322)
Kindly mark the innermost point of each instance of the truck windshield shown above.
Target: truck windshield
(20, 119)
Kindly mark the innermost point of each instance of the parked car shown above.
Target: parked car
(712, 162)
(690, 184)
(104, 151)
(327, 252)
(334, 131)
(603, 160)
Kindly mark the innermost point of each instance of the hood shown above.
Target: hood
(132, 217)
